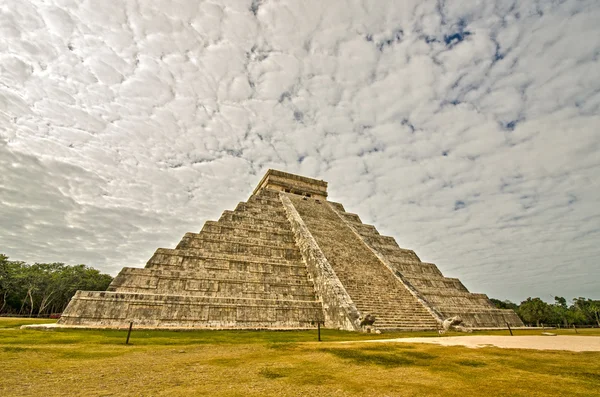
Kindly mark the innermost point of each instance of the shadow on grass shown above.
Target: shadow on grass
(382, 347)
(386, 359)
(471, 363)
(17, 349)
(226, 362)
(270, 373)
(86, 354)
(302, 374)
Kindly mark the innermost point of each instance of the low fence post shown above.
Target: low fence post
(129, 332)
(319, 330)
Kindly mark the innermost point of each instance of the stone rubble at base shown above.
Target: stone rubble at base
(285, 259)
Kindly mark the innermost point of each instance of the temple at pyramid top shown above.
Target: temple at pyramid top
(290, 183)
(287, 258)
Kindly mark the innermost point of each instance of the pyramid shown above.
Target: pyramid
(285, 259)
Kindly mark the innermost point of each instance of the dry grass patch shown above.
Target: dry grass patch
(241, 363)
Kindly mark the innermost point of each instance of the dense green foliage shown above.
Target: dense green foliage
(44, 288)
(535, 311)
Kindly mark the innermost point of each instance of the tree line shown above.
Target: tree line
(535, 311)
(43, 289)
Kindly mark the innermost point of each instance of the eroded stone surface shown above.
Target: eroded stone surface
(286, 258)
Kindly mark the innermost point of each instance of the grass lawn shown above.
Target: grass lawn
(264, 363)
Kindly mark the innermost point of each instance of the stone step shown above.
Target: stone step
(267, 193)
(265, 201)
(299, 280)
(238, 229)
(396, 253)
(112, 309)
(494, 318)
(416, 269)
(256, 208)
(390, 304)
(254, 220)
(224, 285)
(206, 245)
(261, 215)
(250, 227)
(461, 309)
(442, 305)
(176, 257)
(376, 284)
(411, 262)
(220, 289)
(230, 238)
(406, 327)
(401, 317)
(401, 311)
(450, 293)
(338, 206)
(366, 230)
(421, 281)
(380, 240)
(246, 267)
(216, 268)
(352, 218)
(173, 298)
(382, 314)
(411, 324)
(229, 293)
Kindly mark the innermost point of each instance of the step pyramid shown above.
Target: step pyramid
(285, 259)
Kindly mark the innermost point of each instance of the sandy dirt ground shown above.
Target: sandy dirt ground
(558, 342)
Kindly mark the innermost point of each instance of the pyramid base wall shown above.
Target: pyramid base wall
(285, 259)
(111, 309)
(495, 318)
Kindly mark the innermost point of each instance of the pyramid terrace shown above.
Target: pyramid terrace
(286, 258)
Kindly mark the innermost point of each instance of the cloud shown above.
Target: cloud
(468, 131)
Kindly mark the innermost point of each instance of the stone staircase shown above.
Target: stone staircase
(243, 271)
(283, 260)
(373, 288)
(447, 296)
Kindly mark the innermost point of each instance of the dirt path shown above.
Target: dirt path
(559, 342)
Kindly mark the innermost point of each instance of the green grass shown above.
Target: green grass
(10, 322)
(267, 363)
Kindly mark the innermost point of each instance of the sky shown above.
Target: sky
(467, 130)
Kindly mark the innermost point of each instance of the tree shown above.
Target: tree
(595, 308)
(559, 311)
(8, 270)
(589, 310)
(534, 311)
(505, 304)
(44, 288)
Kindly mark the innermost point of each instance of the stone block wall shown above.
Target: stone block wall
(284, 259)
(243, 271)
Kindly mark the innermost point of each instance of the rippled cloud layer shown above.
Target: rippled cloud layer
(467, 130)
